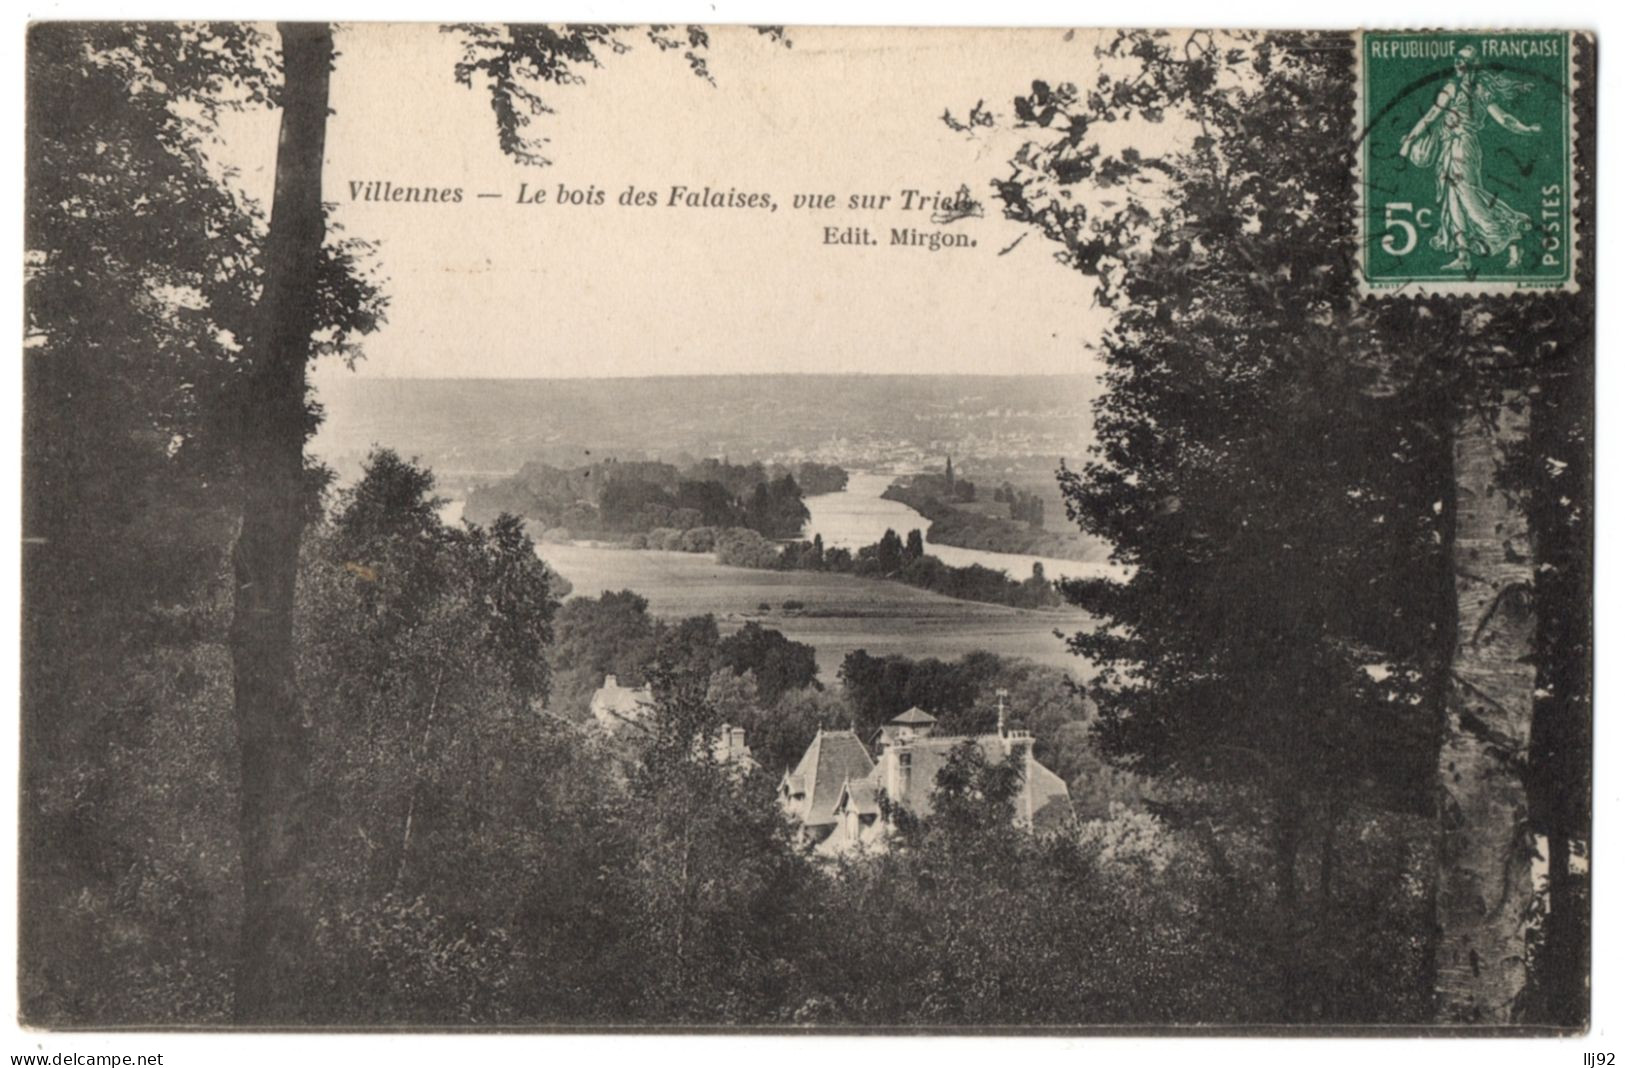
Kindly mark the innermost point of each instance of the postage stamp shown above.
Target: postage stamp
(1465, 169)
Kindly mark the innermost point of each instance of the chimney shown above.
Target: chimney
(730, 744)
(611, 682)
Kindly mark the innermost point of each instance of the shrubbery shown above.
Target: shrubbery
(1022, 533)
(635, 500)
(892, 559)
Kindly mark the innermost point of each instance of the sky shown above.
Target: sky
(495, 288)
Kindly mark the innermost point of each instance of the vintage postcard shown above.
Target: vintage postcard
(770, 528)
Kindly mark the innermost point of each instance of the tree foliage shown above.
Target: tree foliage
(1275, 459)
(422, 669)
(143, 268)
(1280, 505)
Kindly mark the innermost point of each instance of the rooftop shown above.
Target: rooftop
(614, 704)
(831, 759)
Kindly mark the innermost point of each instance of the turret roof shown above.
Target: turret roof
(831, 759)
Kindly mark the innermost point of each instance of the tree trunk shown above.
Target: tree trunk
(273, 751)
(1561, 511)
(1328, 859)
(1485, 884)
(1288, 836)
(418, 759)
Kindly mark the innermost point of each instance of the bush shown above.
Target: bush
(700, 540)
(663, 537)
(742, 547)
(459, 972)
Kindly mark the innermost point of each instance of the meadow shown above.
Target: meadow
(835, 614)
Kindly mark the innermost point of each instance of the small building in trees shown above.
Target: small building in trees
(729, 748)
(915, 723)
(615, 707)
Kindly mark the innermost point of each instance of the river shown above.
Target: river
(859, 516)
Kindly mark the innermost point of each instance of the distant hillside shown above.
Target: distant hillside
(474, 430)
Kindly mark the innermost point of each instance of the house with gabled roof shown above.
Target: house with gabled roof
(859, 818)
(808, 793)
(909, 756)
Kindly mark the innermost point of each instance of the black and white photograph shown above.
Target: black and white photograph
(784, 530)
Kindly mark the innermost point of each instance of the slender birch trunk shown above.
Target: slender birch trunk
(418, 758)
(1485, 884)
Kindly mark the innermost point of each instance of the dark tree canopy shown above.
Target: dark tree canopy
(1276, 459)
(1256, 469)
(144, 270)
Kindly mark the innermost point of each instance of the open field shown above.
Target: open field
(841, 612)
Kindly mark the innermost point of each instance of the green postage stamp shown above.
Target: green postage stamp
(1466, 162)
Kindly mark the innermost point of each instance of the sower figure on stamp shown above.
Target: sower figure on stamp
(1472, 220)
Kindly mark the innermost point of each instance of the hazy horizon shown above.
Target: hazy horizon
(462, 426)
